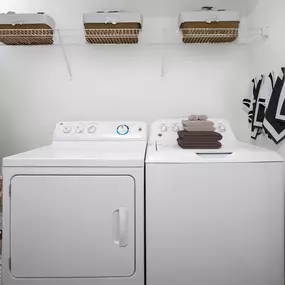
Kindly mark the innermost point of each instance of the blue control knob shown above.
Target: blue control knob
(123, 130)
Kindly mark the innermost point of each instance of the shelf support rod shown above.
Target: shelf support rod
(262, 32)
(65, 56)
(163, 66)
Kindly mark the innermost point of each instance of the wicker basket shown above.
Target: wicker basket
(209, 27)
(27, 34)
(26, 29)
(112, 27)
(225, 32)
(122, 33)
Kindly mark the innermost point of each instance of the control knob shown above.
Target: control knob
(79, 130)
(66, 130)
(221, 128)
(163, 128)
(175, 128)
(91, 129)
(123, 130)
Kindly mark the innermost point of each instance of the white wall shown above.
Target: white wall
(269, 54)
(63, 10)
(114, 83)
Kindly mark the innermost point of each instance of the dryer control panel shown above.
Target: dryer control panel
(164, 132)
(92, 131)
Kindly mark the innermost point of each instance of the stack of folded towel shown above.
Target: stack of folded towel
(199, 133)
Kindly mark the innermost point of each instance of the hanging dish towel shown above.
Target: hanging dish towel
(275, 128)
(247, 102)
(263, 100)
(280, 114)
(250, 106)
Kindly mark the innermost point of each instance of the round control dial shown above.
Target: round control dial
(221, 128)
(79, 129)
(91, 129)
(66, 130)
(123, 130)
(163, 128)
(175, 128)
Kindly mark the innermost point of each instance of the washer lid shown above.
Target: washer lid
(240, 153)
(82, 154)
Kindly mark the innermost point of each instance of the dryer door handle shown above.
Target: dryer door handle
(121, 227)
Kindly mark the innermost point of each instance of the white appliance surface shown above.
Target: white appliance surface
(209, 222)
(74, 210)
(52, 231)
(209, 16)
(117, 17)
(89, 144)
(13, 19)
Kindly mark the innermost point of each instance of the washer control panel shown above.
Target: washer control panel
(92, 131)
(165, 131)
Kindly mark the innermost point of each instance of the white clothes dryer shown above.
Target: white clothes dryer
(213, 217)
(74, 210)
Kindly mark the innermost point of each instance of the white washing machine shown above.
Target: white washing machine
(213, 217)
(74, 210)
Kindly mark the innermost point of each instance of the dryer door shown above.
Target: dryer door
(72, 226)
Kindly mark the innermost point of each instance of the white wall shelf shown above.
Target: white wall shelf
(164, 37)
(77, 37)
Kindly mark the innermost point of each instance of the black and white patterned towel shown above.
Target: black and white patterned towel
(251, 105)
(274, 125)
(263, 99)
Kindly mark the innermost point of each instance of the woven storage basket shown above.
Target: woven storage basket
(26, 29)
(122, 33)
(27, 34)
(112, 27)
(225, 32)
(216, 31)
